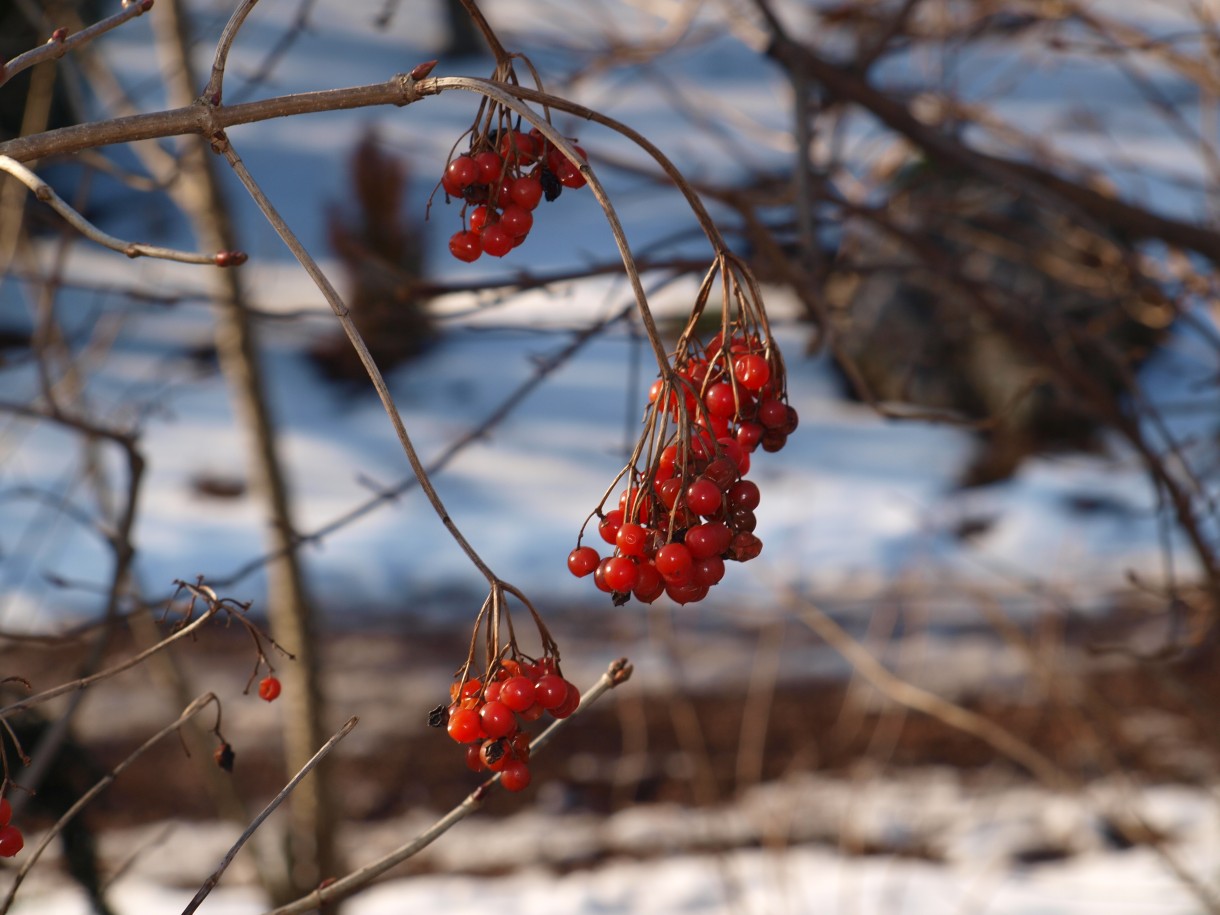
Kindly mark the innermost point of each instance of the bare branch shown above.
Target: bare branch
(61, 43)
(47, 195)
(214, 879)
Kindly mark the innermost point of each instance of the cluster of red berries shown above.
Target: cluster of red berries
(11, 839)
(487, 716)
(692, 508)
(502, 182)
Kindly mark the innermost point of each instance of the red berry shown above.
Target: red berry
(6, 811)
(633, 540)
(773, 414)
(599, 576)
(490, 166)
(533, 713)
(609, 525)
(493, 754)
(569, 175)
(720, 399)
(496, 240)
(669, 491)
(478, 218)
(498, 719)
(459, 175)
(466, 246)
(744, 546)
(520, 146)
(474, 758)
(744, 494)
(583, 561)
(710, 539)
(649, 585)
(269, 688)
(569, 704)
(492, 693)
(673, 560)
(551, 690)
(749, 435)
(621, 573)
(526, 192)
(465, 725)
(723, 471)
(792, 422)
(518, 693)
(11, 841)
(774, 440)
(704, 497)
(689, 593)
(516, 221)
(515, 776)
(708, 571)
(752, 371)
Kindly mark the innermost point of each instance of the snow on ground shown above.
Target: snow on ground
(936, 846)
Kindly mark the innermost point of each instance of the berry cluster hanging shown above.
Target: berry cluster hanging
(487, 708)
(502, 178)
(687, 507)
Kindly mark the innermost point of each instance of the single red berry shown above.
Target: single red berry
(704, 497)
(774, 440)
(599, 576)
(749, 434)
(490, 166)
(526, 192)
(11, 841)
(720, 399)
(519, 746)
(669, 492)
(723, 471)
(520, 146)
(478, 218)
(533, 713)
(569, 175)
(744, 546)
(551, 690)
(6, 811)
(466, 246)
(494, 754)
(269, 688)
(649, 585)
(708, 571)
(496, 240)
(633, 539)
(498, 719)
(474, 758)
(673, 560)
(609, 525)
(773, 414)
(792, 422)
(621, 573)
(569, 704)
(459, 175)
(742, 519)
(516, 221)
(710, 539)
(583, 561)
(744, 494)
(465, 725)
(515, 776)
(518, 693)
(492, 693)
(752, 371)
(689, 593)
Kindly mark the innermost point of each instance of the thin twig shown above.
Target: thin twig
(214, 879)
(60, 44)
(44, 192)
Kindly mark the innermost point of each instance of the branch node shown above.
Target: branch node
(230, 258)
(422, 70)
